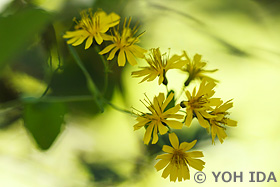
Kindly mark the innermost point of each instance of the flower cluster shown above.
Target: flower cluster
(210, 112)
(97, 26)
(163, 114)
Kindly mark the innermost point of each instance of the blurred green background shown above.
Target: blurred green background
(89, 148)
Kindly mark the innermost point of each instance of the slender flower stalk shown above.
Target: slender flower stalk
(177, 160)
(157, 120)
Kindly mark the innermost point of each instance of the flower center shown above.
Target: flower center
(198, 103)
(178, 158)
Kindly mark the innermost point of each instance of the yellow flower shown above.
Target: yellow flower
(218, 122)
(157, 121)
(200, 103)
(177, 159)
(92, 26)
(159, 64)
(195, 69)
(125, 43)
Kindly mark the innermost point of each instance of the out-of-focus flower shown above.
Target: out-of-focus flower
(159, 64)
(92, 26)
(125, 43)
(220, 120)
(157, 120)
(200, 103)
(177, 159)
(195, 69)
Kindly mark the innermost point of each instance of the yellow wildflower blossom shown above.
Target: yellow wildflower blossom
(195, 69)
(125, 43)
(200, 103)
(177, 159)
(159, 64)
(218, 122)
(157, 120)
(92, 26)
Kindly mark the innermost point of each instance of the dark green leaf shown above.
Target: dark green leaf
(17, 30)
(44, 121)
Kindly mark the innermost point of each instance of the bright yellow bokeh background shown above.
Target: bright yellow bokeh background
(250, 76)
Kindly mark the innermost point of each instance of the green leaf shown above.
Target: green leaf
(18, 29)
(172, 102)
(44, 121)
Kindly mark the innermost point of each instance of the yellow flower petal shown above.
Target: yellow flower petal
(89, 42)
(155, 135)
(114, 19)
(160, 100)
(140, 124)
(167, 101)
(78, 33)
(107, 49)
(177, 116)
(156, 105)
(161, 78)
(231, 122)
(164, 156)
(98, 38)
(180, 174)
(201, 120)
(196, 163)
(226, 106)
(79, 41)
(205, 114)
(221, 134)
(112, 53)
(213, 132)
(187, 146)
(138, 51)
(130, 58)
(174, 140)
(215, 101)
(189, 118)
(72, 40)
(186, 172)
(148, 133)
(167, 149)
(162, 129)
(173, 124)
(167, 171)
(195, 154)
(172, 110)
(161, 164)
(121, 58)
(173, 173)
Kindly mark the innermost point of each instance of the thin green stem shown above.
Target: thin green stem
(118, 108)
(169, 129)
(106, 69)
(49, 83)
(53, 99)
(182, 91)
(167, 91)
(91, 85)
